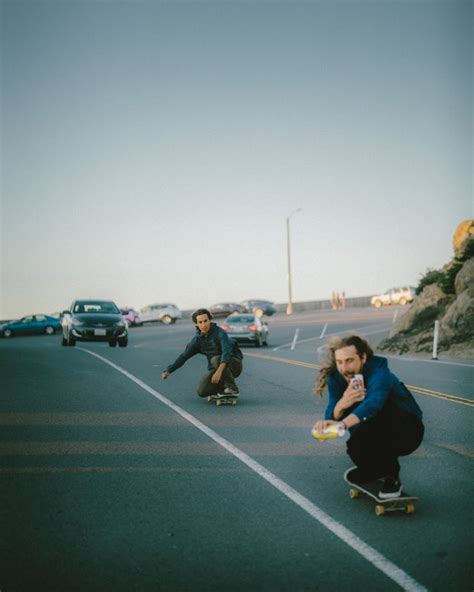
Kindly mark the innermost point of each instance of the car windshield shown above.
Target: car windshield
(240, 319)
(96, 307)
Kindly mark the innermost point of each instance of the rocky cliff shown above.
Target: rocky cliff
(447, 296)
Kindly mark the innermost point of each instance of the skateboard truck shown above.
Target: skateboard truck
(223, 399)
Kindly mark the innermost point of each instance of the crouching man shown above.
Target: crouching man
(382, 416)
(224, 358)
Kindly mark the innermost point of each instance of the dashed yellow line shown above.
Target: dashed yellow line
(416, 389)
(445, 396)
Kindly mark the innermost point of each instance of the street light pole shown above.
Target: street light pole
(289, 308)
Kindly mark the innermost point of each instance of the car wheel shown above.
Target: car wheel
(49, 330)
(112, 343)
(71, 341)
(258, 343)
(266, 340)
(403, 301)
(259, 312)
(377, 304)
(123, 342)
(166, 320)
(8, 333)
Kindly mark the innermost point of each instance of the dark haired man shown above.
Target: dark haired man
(383, 418)
(224, 358)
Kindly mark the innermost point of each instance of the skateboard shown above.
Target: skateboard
(223, 400)
(404, 503)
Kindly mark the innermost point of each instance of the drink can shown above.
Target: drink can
(357, 381)
(335, 430)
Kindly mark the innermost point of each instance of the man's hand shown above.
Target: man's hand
(165, 374)
(351, 396)
(322, 424)
(216, 377)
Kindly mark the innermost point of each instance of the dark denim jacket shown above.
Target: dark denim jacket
(214, 343)
(382, 387)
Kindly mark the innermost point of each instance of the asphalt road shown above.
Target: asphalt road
(113, 479)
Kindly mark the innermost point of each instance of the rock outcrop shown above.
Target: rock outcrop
(450, 300)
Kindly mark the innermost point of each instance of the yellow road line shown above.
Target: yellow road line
(416, 389)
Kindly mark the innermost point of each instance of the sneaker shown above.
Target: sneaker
(231, 390)
(391, 488)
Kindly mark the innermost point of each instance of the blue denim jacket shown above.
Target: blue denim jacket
(214, 343)
(382, 386)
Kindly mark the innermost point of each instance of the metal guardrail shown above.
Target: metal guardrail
(358, 302)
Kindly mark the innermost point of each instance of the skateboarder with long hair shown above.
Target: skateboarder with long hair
(381, 414)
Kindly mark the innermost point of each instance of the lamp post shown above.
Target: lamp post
(289, 308)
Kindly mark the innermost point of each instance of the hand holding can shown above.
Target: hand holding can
(333, 430)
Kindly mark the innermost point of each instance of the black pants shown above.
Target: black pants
(375, 445)
(231, 371)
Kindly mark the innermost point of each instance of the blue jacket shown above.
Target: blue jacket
(214, 343)
(381, 385)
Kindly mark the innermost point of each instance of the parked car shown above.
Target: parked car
(36, 324)
(259, 307)
(131, 316)
(166, 313)
(224, 309)
(94, 320)
(246, 328)
(394, 296)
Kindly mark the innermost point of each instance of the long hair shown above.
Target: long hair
(329, 365)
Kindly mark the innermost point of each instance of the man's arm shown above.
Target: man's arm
(226, 348)
(350, 397)
(216, 377)
(339, 404)
(190, 351)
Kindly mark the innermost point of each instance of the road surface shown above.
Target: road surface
(113, 479)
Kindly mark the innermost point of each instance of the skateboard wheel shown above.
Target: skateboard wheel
(234, 403)
(379, 510)
(218, 403)
(354, 493)
(410, 508)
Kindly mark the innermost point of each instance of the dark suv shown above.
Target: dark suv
(94, 320)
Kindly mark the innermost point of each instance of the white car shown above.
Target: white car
(165, 313)
(394, 296)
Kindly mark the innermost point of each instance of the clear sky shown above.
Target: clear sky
(151, 151)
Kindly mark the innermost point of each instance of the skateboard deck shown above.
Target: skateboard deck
(223, 400)
(403, 503)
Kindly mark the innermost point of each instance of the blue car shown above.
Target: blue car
(38, 324)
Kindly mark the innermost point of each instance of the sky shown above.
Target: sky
(152, 151)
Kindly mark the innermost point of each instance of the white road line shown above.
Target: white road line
(378, 560)
(361, 330)
(295, 339)
(323, 331)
